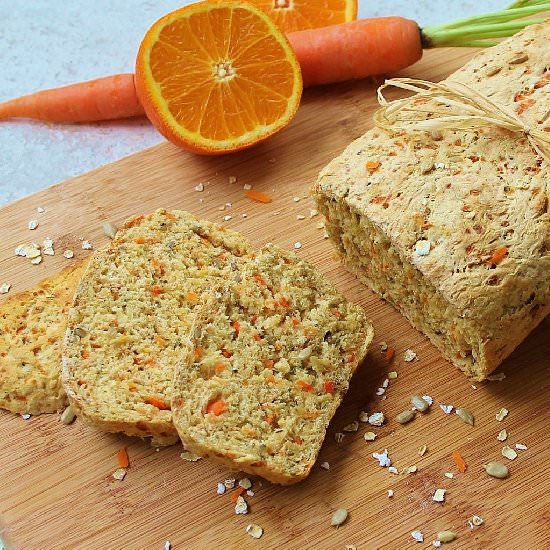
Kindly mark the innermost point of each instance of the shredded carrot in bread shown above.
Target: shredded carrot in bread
(226, 353)
(459, 461)
(498, 255)
(260, 280)
(216, 407)
(219, 368)
(136, 221)
(139, 240)
(236, 327)
(161, 342)
(158, 403)
(123, 459)
(157, 290)
(192, 297)
(198, 352)
(269, 363)
(169, 216)
(85, 354)
(372, 165)
(284, 302)
(304, 386)
(329, 386)
(257, 337)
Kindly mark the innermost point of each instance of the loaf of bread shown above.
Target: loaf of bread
(32, 325)
(132, 315)
(272, 357)
(453, 228)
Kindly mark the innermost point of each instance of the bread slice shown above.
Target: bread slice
(132, 315)
(278, 348)
(32, 326)
(453, 228)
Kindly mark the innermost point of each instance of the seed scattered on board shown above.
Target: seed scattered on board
(419, 403)
(502, 435)
(447, 409)
(33, 224)
(439, 495)
(68, 415)
(297, 245)
(241, 507)
(68, 254)
(369, 436)
(41, 210)
(405, 416)
(353, 427)
(477, 520)
(255, 531)
(245, 483)
(390, 493)
(230, 483)
(5, 288)
(383, 459)
(87, 245)
(120, 474)
(423, 450)
(376, 419)
(167, 545)
(496, 469)
(502, 414)
(509, 453)
(339, 517)
(325, 466)
(109, 229)
(418, 536)
(409, 355)
(220, 490)
(446, 536)
(199, 188)
(465, 415)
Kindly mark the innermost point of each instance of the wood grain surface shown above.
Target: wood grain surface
(56, 485)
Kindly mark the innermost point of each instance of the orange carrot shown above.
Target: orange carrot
(216, 407)
(356, 49)
(390, 354)
(236, 494)
(123, 460)
(498, 255)
(258, 196)
(459, 461)
(158, 403)
(329, 386)
(107, 98)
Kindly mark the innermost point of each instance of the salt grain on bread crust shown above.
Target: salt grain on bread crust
(131, 318)
(484, 285)
(32, 325)
(280, 346)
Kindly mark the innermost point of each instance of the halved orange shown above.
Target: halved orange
(296, 15)
(217, 76)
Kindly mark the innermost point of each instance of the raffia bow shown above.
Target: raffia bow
(465, 108)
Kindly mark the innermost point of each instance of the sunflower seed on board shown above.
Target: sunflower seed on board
(109, 229)
(5, 288)
(119, 474)
(87, 245)
(383, 458)
(364, 416)
(255, 531)
(502, 414)
(477, 520)
(68, 415)
(339, 437)
(325, 466)
(67, 254)
(447, 409)
(423, 450)
(376, 419)
(392, 375)
(220, 490)
(419, 403)
(417, 536)
(393, 470)
(245, 483)
(439, 495)
(465, 415)
(230, 483)
(446, 536)
(33, 224)
(390, 493)
(383, 346)
(450, 475)
(520, 447)
(496, 469)
(509, 453)
(496, 377)
(405, 416)
(353, 427)
(502, 435)
(409, 355)
(339, 517)
(241, 507)
(369, 436)
(428, 399)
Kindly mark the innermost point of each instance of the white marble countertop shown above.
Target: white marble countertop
(47, 43)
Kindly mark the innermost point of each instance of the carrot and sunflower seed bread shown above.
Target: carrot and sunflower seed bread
(279, 346)
(32, 326)
(131, 318)
(453, 228)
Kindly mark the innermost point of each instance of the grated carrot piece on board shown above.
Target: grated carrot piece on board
(459, 461)
(258, 196)
(123, 459)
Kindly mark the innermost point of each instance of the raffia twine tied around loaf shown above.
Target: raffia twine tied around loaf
(464, 108)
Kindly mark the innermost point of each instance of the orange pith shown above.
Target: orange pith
(296, 15)
(216, 77)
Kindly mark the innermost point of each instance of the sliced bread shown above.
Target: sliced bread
(131, 318)
(278, 347)
(32, 325)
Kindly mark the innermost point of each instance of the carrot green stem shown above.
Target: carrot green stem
(474, 31)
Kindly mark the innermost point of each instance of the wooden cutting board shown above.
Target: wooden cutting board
(56, 485)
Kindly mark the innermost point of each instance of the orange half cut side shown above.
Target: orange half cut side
(216, 77)
(297, 15)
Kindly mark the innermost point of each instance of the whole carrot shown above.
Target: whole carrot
(106, 98)
(357, 49)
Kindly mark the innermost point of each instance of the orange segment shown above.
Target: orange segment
(217, 76)
(296, 15)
